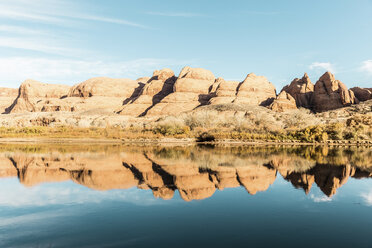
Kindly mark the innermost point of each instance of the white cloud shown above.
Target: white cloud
(367, 197)
(69, 71)
(322, 66)
(366, 66)
(322, 198)
(13, 194)
(174, 14)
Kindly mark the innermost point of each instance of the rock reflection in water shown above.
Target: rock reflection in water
(196, 172)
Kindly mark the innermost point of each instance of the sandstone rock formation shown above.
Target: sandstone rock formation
(191, 89)
(32, 92)
(301, 90)
(164, 94)
(363, 94)
(226, 92)
(109, 87)
(7, 96)
(159, 86)
(283, 102)
(330, 93)
(255, 90)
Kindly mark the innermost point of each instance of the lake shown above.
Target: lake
(55, 195)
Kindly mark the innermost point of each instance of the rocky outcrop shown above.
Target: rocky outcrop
(226, 92)
(100, 95)
(109, 87)
(159, 86)
(7, 96)
(283, 102)
(255, 90)
(363, 94)
(191, 89)
(301, 90)
(31, 93)
(330, 94)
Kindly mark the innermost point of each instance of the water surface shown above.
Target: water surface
(185, 196)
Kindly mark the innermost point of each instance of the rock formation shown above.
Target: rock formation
(226, 92)
(330, 94)
(109, 87)
(283, 102)
(7, 96)
(159, 86)
(31, 93)
(363, 94)
(164, 94)
(255, 90)
(191, 89)
(301, 90)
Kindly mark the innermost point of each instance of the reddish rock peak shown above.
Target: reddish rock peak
(327, 77)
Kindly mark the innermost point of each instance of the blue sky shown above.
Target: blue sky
(66, 41)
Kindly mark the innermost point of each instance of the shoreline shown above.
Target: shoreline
(183, 141)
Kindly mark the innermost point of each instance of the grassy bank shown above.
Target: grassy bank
(353, 130)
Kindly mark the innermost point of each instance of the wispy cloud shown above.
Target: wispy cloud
(39, 45)
(322, 198)
(54, 12)
(24, 15)
(322, 66)
(17, 69)
(366, 66)
(107, 19)
(22, 30)
(367, 197)
(174, 14)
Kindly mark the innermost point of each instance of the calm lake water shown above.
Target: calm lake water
(185, 196)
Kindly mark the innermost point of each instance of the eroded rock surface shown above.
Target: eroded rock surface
(31, 93)
(191, 89)
(330, 94)
(159, 86)
(283, 102)
(301, 90)
(255, 90)
(362, 94)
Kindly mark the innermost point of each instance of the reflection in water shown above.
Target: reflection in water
(196, 172)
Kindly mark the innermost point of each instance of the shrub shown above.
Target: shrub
(205, 137)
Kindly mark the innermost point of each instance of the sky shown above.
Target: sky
(69, 41)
